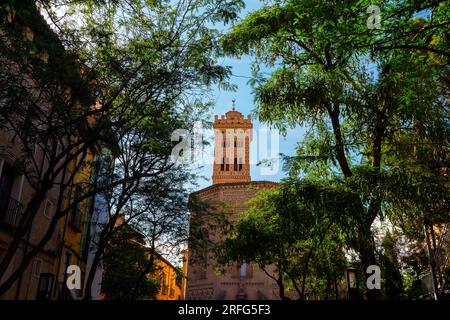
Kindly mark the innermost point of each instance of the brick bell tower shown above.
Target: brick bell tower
(232, 137)
(229, 192)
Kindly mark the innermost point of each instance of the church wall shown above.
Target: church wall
(230, 282)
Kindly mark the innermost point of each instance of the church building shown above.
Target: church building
(232, 187)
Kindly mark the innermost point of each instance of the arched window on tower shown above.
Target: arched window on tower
(223, 139)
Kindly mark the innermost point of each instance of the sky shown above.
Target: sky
(241, 70)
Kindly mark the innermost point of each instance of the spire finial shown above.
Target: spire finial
(234, 104)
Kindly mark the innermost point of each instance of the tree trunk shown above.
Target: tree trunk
(336, 291)
(340, 149)
(431, 264)
(367, 255)
(103, 240)
(90, 279)
(281, 288)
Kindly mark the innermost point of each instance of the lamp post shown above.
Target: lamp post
(352, 283)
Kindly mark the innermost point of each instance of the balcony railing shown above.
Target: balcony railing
(13, 213)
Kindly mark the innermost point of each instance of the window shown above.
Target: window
(163, 281)
(235, 164)
(240, 164)
(48, 209)
(37, 263)
(75, 217)
(222, 165)
(44, 286)
(6, 182)
(243, 271)
(199, 235)
(58, 149)
(223, 138)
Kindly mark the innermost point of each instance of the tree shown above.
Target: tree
(393, 281)
(363, 93)
(162, 221)
(137, 70)
(296, 234)
(125, 276)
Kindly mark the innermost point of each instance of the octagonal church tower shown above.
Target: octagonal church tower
(226, 197)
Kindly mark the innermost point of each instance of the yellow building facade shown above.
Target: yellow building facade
(170, 278)
(73, 238)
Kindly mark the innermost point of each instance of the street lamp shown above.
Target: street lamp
(352, 283)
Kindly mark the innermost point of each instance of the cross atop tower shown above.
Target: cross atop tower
(232, 137)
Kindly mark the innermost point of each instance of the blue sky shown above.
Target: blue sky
(241, 69)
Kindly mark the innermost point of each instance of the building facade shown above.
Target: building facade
(170, 280)
(35, 282)
(44, 276)
(227, 196)
(78, 233)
